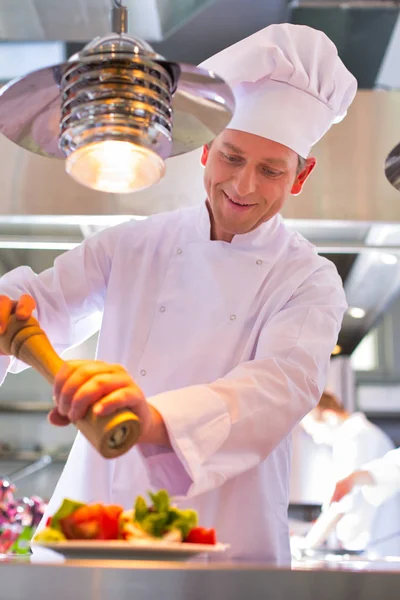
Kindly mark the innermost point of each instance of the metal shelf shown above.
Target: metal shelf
(30, 456)
(25, 407)
(389, 415)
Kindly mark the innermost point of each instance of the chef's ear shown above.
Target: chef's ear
(302, 174)
(204, 154)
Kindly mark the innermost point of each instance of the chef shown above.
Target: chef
(217, 322)
(378, 481)
(383, 474)
(354, 441)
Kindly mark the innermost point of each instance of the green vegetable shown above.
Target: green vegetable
(67, 508)
(155, 524)
(184, 520)
(160, 517)
(160, 501)
(141, 510)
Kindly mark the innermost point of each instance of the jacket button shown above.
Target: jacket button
(143, 372)
(162, 309)
(233, 317)
(259, 262)
(179, 251)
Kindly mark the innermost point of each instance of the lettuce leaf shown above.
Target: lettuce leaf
(155, 524)
(161, 501)
(140, 511)
(160, 517)
(184, 520)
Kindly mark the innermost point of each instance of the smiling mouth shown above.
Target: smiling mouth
(237, 203)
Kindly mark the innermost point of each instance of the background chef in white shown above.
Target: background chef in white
(354, 441)
(382, 476)
(223, 320)
(378, 481)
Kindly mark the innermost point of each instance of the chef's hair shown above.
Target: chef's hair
(329, 401)
(301, 163)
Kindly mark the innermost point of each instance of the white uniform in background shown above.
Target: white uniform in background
(386, 473)
(357, 442)
(386, 496)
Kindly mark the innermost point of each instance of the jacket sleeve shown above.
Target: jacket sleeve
(386, 473)
(69, 296)
(231, 425)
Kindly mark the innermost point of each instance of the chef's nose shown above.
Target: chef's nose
(246, 181)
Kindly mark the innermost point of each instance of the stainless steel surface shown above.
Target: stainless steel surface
(347, 3)
(25, 407)
(15, 455)
(38, 465)
(180, 581)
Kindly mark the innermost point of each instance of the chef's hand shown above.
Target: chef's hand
(23, 309)
(346, 486)
(82, 383)
(342, 488)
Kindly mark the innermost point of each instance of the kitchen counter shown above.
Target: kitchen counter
(22, 579)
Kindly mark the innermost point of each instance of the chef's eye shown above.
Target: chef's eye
(231, 159)
(271, 172)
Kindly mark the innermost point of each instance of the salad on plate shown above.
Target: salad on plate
(156, 521)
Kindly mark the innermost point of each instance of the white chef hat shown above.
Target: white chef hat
(289, 83)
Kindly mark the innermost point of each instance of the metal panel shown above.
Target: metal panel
(81, 20)
(146, 581)
(360, 30)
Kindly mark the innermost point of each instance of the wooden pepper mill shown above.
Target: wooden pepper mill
(111, 435)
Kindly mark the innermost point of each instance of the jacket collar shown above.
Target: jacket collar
(262, 237)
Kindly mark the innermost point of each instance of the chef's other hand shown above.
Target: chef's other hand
(23, 308)
(343, 487)
(82, 383)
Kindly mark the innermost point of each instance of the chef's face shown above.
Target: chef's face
(321, 425)
(248, 178)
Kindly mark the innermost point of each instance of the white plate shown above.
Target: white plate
(134, 550)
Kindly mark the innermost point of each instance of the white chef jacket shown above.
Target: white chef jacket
(386, 496)
(386, 474)
(357, 442)
(229, 341)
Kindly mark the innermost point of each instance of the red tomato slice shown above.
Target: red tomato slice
(200, 535)
(93, 522)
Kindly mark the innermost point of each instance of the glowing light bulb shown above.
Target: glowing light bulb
(115, 166)
(356, 312)
(388, 259)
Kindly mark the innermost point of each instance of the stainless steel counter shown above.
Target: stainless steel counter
(134, 580)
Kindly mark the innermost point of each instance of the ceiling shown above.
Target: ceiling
(367, 35)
